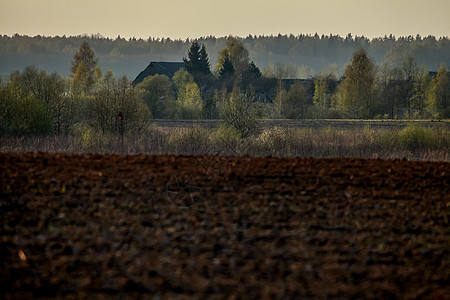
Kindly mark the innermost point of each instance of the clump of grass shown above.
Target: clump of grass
(150, 140)
(192, 140)
(275, 141)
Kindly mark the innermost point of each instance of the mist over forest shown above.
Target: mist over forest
(303, 55)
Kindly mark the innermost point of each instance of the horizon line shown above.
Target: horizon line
(101, 36)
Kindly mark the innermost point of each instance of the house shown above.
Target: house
(161, 68)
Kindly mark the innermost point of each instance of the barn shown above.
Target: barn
(161, 68)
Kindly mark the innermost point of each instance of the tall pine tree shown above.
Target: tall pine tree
(227, 70)
(204, 65)
(197, 62)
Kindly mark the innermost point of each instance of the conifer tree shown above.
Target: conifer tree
(197, 62)
(227, 69)
(204, 65)
(191, 63)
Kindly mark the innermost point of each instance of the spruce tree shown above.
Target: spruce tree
(227, 69)
(197, 62)
(254, 70)
(193, 60)
(204, 65)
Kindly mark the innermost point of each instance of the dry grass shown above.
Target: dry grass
(414, 142)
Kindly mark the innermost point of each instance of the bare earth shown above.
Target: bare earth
(112, 226)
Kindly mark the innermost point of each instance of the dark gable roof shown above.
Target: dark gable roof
(161, 68)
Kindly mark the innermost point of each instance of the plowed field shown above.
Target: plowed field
(112, 226)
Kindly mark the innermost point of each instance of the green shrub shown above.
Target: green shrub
(386, 139)
(415, 137)
(226, 134)
(368, 134)
(226, 140)
(91, 140)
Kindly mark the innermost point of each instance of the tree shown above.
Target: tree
(189, 101)
(24, 102)
(320, 91)
(227, 69)
(296, 101)
(204, 65)
(254, 70)
(102, 110)
(86, 55)
(34, 101)
(156, 92)
(235, 54)
(197, 63)
(241, 113)
(419, 94)
(280, 71)
(439, 104)
(291, 104)
(136, 114)
(357, 93)
(193, 60)
(252, 74)
(391, 85)
(114, 97)
(83, 68)
(411, 74)
(181, 78)
(59, 103)
(279, 101)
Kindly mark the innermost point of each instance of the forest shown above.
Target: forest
(307, 55)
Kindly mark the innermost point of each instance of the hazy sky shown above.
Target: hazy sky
(197, 18)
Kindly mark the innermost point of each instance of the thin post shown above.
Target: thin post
(121, 131)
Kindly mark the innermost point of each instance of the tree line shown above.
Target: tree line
(306, 55)
(233, 89)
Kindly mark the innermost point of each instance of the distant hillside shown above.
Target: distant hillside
(306, 54)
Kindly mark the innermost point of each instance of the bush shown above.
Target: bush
(276, 141)
(242, 113)
(226, 140)
(91, 140)
(31, 117)
(386, 139)
(415, 137)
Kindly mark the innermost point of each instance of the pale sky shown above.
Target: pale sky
(197, 18)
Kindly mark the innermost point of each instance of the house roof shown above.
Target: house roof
(160, 68)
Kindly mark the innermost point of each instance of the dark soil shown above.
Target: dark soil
(111, 226)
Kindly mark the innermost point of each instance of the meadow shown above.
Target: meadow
(385, 139)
